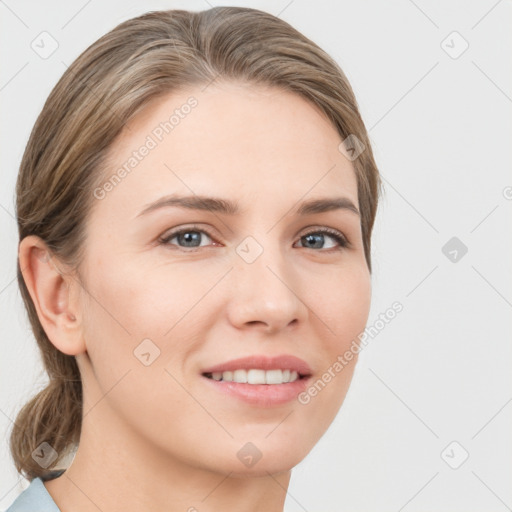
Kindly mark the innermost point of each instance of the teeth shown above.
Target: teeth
(272, 376)
(239, 376)
(257, 376)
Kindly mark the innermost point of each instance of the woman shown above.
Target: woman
(195, 208)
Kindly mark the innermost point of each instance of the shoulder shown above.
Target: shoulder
(35, 498)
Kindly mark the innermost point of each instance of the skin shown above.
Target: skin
(158, 437)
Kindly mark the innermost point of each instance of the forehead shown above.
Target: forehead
(232, 139)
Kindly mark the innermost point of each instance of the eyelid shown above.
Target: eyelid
(168, 235)
(335, 233)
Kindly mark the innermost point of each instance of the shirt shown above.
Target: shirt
(35, 498)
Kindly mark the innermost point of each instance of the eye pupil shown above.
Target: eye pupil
(189, 236)
(312, 237)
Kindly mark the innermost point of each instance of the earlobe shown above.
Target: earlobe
(50, 288)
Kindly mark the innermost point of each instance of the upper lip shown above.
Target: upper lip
(283, 362)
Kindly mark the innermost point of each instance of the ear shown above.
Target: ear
(54, 294)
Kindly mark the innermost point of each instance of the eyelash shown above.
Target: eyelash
(339, 237)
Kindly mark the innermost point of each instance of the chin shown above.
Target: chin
(261, 457)
(274, 465)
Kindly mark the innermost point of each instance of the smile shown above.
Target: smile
(255, 376)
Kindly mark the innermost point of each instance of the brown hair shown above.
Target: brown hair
(107, 85)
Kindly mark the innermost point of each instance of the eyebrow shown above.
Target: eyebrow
(228, 207)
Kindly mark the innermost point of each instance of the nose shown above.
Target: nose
(266, 294)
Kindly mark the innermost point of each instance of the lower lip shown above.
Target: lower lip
(263, 395)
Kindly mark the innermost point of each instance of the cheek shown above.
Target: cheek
(145, 300)
(133, 333)
(345, 313)
(134, 309)
(346, 306)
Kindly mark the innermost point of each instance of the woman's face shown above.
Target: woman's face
(161, 308)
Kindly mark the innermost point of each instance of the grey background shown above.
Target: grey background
(441, 131)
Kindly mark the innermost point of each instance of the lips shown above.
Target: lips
(261, 362)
